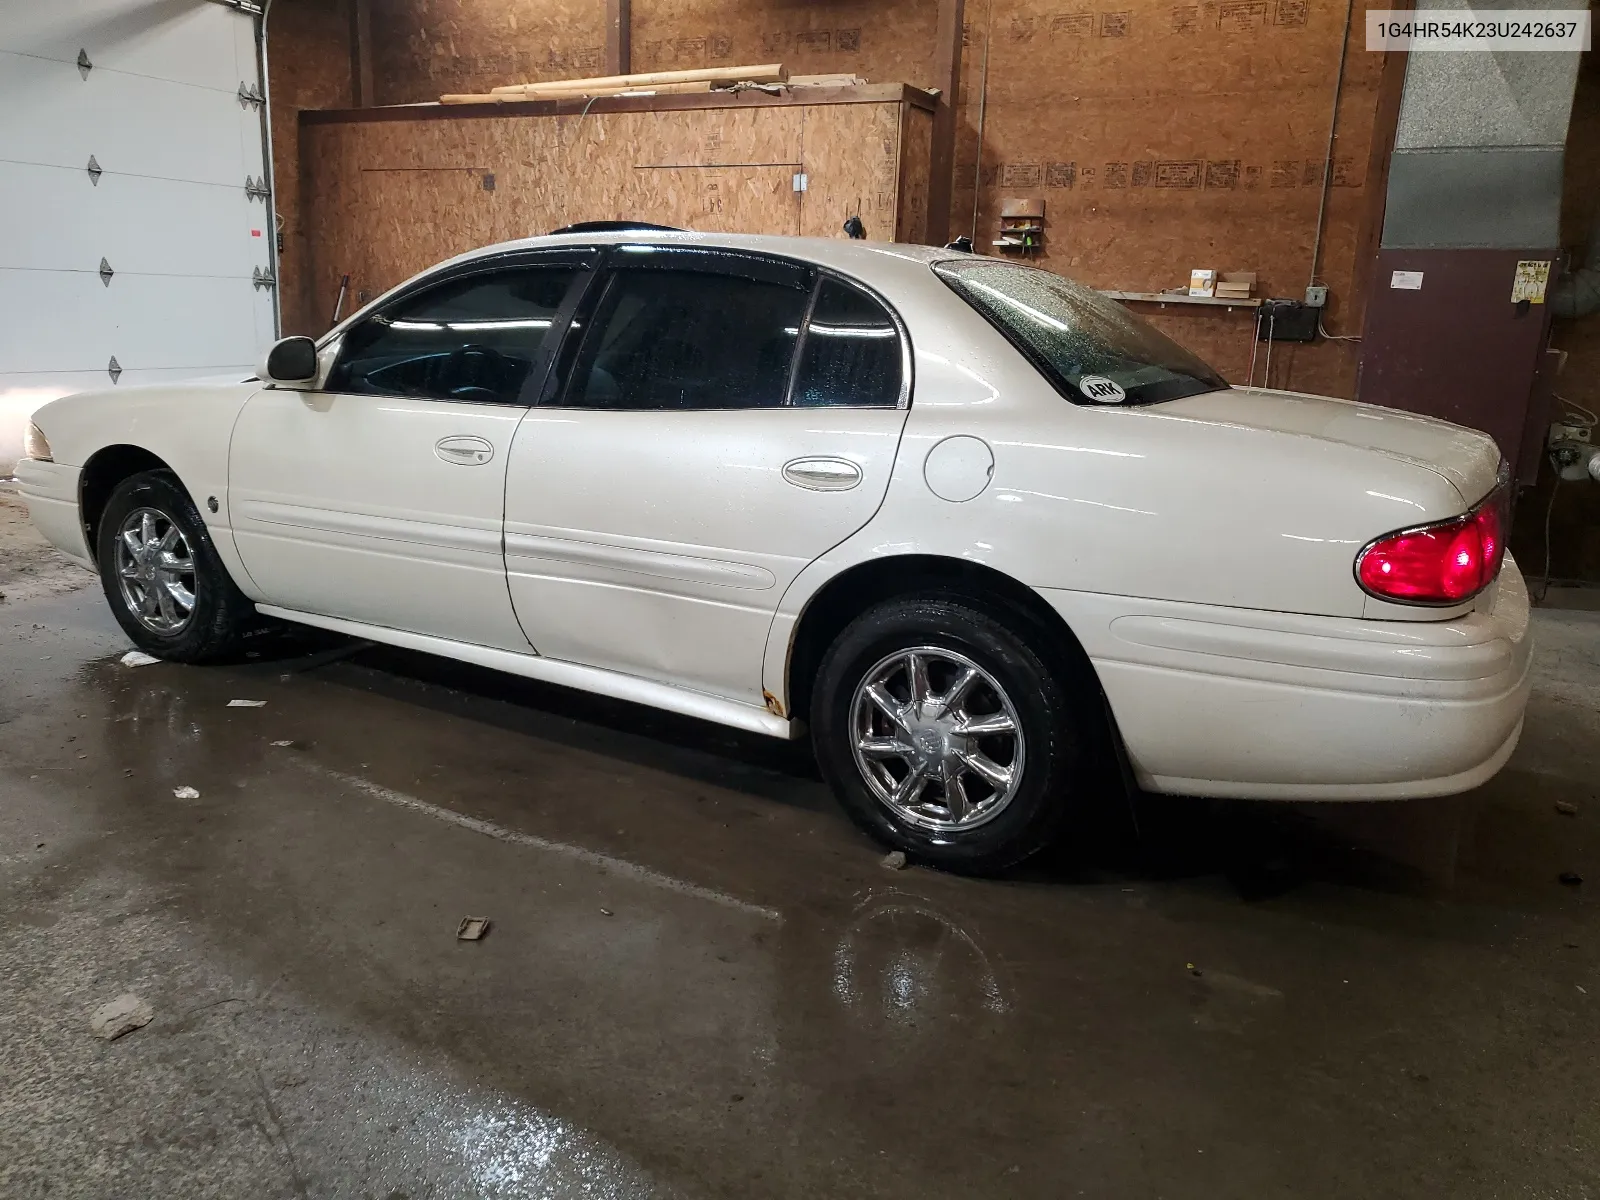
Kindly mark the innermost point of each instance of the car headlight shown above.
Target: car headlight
(35, 445)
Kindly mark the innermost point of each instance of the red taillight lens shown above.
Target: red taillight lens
(1444, 563)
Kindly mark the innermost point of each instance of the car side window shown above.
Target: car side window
(474, 339)
(851, 353)
(686, 339)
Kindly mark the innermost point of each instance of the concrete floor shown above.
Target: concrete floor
(701, 983)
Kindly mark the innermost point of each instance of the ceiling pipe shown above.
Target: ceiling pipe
(1577, 292)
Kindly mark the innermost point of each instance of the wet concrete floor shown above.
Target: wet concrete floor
(700, 982)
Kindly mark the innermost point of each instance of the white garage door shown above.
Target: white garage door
(133, 221)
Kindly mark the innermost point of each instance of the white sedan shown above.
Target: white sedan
(978, 529)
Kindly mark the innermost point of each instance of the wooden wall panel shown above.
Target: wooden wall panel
(1167, 137)
(1162, 136)
(331, 198)
(916, 156)
(423, 48)
(391, 197)
(309, 64)
(852, 162)
(886, 41)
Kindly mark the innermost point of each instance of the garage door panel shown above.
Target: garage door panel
(264, 304)
(137, 225)
(66, 322)
(168, 39)
(26, 385)
(196, 47)
(159, 111)
(128, 122)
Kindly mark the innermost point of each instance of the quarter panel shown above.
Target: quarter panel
(1125, 502)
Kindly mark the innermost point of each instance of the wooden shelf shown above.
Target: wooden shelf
(870, 93)
(1165, 298)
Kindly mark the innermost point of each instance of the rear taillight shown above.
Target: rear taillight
(1447, 562)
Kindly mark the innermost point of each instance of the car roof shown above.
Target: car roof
(867, 260)
(895, 269)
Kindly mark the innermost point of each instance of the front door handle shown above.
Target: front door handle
(464, 450)
(822, 474)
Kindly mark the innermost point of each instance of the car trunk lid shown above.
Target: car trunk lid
(1468, 459)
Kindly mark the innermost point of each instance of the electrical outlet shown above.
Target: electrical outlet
(1316, 296)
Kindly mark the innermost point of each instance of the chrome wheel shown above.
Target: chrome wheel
(937, 739)
(155, 569)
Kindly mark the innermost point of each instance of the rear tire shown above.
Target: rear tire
(986, 768)
(162, 576)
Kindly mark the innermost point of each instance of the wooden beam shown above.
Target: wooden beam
(1369, 237)
(947, 78)
(361, 92)
(619, 44)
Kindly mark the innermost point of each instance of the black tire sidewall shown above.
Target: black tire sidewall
(213, 630)
(1044, 706)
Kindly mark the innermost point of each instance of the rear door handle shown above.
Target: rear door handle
(464, 450)
(822, 474)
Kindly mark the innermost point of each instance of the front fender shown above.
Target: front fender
(188, 426)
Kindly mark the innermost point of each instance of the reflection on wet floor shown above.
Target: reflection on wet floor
(699, 980)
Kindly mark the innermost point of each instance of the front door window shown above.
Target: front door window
(475, 339)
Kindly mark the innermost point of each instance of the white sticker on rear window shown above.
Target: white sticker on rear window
(1102, 390)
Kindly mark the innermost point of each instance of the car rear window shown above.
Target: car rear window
(1090, 347)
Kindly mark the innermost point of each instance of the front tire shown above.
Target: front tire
(946, 733)
(162, 576)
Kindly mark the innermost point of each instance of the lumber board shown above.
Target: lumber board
(659, 89)
(768, 73)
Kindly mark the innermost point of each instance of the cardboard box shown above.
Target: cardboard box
(1235, 285)
(1202, 282)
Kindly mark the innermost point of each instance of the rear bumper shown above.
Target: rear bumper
(1221, 702)
(50, 490)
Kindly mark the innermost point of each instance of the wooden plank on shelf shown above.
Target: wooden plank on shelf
(660, 89)
(767, 73)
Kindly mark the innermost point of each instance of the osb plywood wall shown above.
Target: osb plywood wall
(422, 48)
(309, 59)
(1167, 136)
(392, 197)
(1162, 135)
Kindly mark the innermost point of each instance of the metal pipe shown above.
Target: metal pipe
(1272, 328)
(1327, 157)
(983, 107)
(272, 178)
(1255, 346)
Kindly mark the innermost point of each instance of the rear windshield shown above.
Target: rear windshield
(1092, 349)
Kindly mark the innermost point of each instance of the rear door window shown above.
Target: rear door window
(851, 355)
(678, 338)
